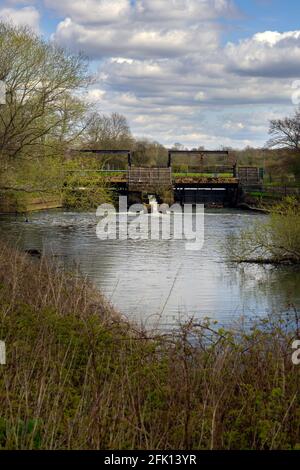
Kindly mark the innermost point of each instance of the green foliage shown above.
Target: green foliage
(40, 112)
(149, 153)
(85, 191)
(202, 175)
(41, 116)
(180, 168)
(281, 166)
(34, 175)
(273, 239)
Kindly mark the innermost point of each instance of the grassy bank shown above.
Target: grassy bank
(79, 377)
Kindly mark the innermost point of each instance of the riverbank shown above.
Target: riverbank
(268, 197)
(274, 241)
(78, 376)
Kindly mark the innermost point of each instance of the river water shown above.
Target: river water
(159, 281)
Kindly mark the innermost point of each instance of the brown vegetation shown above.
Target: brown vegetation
(79, 377)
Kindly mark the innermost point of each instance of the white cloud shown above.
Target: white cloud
(135, 41)
(26, 16)
(102, 11)
(163, 64)
(91, 11)
(235, 126)
(267, 54)
(95, 95)
(200, 96)
(197, 10)
(159, 98)
(145, 28)
(20, 2)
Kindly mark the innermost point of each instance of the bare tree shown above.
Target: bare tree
(108, 132)
(285, 133)
(178, 146)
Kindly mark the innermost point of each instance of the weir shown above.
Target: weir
(211, 177)
(153, 204)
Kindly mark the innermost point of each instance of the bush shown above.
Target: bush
(274, 240)
(85, 192)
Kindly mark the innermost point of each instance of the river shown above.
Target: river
(160, 282)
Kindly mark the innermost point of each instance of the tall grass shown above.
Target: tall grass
(79, 377)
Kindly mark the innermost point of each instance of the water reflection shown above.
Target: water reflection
(147, 280)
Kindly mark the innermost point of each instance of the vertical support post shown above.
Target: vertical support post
(201, 162)
(169, 159)
(129, 159)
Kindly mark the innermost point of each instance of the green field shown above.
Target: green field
(202, 175)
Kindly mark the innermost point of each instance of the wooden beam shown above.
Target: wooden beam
(199, 152)
(104, 152)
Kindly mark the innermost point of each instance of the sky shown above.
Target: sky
(206, 73)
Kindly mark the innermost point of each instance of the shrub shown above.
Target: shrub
(275, 239)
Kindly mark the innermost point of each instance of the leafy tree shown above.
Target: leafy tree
(40, 78)
(149, 153)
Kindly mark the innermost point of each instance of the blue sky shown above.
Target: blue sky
(199, 72)
(261, 15)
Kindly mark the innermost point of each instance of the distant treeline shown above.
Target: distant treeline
(47, 113)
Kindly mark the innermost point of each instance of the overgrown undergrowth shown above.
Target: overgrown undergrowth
(79, 377)
(274, 240)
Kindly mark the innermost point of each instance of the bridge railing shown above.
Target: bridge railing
(249, 175)
(149, 177)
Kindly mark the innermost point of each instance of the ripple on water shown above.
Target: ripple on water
(151, 280)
